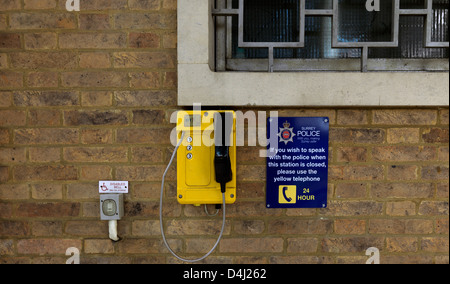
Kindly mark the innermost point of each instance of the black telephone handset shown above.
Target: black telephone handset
(223, 124)
(288, 199)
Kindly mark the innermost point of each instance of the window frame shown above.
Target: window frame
(199, 83)
(227, 63)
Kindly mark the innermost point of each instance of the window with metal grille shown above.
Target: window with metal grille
(331, 35)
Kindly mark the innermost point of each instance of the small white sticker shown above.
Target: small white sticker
(113, 186)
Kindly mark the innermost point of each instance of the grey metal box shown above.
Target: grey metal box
(111, 206)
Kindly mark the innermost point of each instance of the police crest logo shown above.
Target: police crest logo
(286, 134)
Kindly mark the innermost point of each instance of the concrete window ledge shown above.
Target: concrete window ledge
(197, 83)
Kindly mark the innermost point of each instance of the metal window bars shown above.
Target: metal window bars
(223, 11)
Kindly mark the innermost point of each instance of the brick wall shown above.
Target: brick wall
(86, 96)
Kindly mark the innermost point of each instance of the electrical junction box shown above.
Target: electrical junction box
(196, 182)
(111, 206)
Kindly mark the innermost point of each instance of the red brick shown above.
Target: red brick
(351, 244)
(146, 228)
(12, 155)
(144, 80)
(7, 5)
(145, 98)
(401, 208)
(4, 174)
(144, 60)
(96, 173)
(10, 79)
(442, 226)
(143, 173)
(14, 192)
(302, 245)
(14, 228)
(86, 228)
(147, 246)
(249, 227)
(353, 208)
(402, 190)
(94, 60)
(45, 40)
(251, 245)
(144, 4)
(357, 135)
(86, 117)
(46, 191)
(96, 136)
(98, 246)
(83, 191)
(289, 227)
(46, 98)
(435, 172)
(402, 135)
(96, 154)
(433, 208)
(102, 5)
(12, 118)
(404, 153)
(350, 190)
(350, 226)
(402, 244)
(3, 61)
(352, 117)
(170, 4)
(38, 5)
(148, 117)
(42, 79)
(93, 98)
(10, 41)
(36, 60)
(400, 226)
(90, 40)
(47, 228)
(435, 244)
(170, 80)
(44, 117)
(196, 227)
(45, 173)
(44, 155)
(6, 247)
(98, 79)
(436, 135)
(47, 246)
(143, 135)
(94, 22)
(351, 154)
(46, 136)
(402, 172)
(145, 21)
(44, 21)
(57, 209)
(144, 40)
(405, 117)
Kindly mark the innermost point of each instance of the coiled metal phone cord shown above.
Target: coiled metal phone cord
(160, 212)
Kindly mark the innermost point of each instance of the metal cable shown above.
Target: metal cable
(160, 213)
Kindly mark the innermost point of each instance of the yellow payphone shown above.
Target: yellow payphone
(206, 164)
(207, 152)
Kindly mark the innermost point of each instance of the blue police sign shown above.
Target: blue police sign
(297, 170)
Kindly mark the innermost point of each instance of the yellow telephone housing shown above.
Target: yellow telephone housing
(196, 182)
